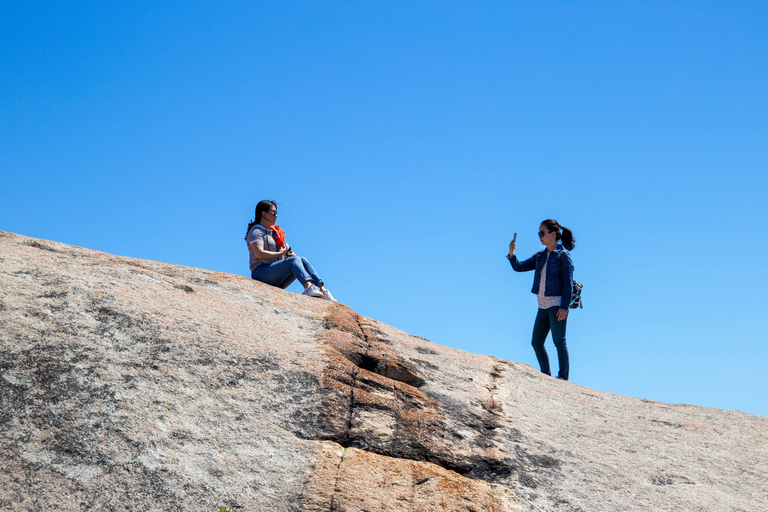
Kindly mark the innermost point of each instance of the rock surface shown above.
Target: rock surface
(136, 385)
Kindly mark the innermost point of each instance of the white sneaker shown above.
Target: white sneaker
(327, 295)
(313, 291)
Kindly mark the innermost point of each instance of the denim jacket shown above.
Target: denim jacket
(557, 274)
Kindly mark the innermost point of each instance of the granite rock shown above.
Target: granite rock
(128, 384)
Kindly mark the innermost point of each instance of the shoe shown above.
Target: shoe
(313, 291)
(560, 378)
(327, 295)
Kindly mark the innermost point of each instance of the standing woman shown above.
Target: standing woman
(553, 286)
(275, 265)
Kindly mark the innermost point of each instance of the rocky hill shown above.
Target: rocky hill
(136, 385)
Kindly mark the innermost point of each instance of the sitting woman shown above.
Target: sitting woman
(271, 259)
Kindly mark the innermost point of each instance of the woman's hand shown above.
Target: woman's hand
(512, 247)
(562, 314)
(258, 250)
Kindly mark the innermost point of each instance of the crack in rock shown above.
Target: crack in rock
(387, 414)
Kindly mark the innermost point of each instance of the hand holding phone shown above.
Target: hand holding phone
(513, 245)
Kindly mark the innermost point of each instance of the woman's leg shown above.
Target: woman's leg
(281, 273)
(273, 274)
(540, 331)
(311, 271)
(298, 270)
(287, 281)
(558, 336)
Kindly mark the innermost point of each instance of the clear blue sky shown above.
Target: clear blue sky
(405, 143)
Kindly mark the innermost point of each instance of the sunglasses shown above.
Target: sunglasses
(542, 233)
(273, 213)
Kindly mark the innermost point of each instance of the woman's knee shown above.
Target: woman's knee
(297, 264)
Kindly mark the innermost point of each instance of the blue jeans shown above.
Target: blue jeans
(546, 319)
(283, 272)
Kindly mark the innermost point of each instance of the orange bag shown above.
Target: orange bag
(279, 235)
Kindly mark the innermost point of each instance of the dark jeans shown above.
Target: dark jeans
(546, 320)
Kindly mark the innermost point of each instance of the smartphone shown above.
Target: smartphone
(514, 237)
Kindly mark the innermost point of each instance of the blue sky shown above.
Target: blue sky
(405, 142)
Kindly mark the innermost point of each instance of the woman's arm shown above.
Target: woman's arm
(257, 246)
(520, 266)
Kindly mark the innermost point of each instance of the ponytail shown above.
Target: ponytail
(567, 238)
(564, 234)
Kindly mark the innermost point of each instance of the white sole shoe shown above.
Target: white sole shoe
(313, 291)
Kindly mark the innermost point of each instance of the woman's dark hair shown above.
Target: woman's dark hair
(263, 206)
(563, 234)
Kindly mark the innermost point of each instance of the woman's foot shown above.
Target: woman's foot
(312, 291)
(327, 295)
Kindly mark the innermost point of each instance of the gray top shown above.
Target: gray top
(264, 235)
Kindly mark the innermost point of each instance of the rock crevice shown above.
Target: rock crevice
(388, 415)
